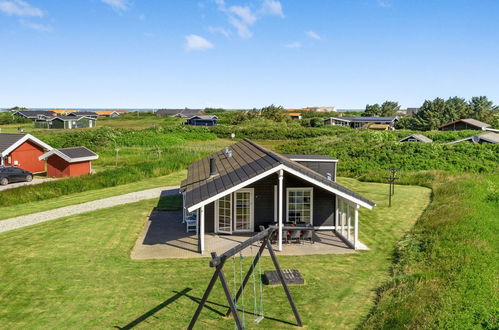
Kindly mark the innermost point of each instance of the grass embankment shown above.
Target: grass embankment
(92, 195)
(76, 273)
(446, 269)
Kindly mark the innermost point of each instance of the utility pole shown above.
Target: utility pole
(391, 180)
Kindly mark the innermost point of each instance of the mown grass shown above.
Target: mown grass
(172, 179)
(76, 273)
(446, 270)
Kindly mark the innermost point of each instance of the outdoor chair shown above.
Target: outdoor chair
(295, 236)
(191, 224)
(308, 235)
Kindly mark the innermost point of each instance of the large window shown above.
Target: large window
(300, 205)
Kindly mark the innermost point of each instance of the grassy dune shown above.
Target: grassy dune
(447, 268)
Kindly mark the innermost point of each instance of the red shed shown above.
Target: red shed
(69, 161)
(23, 151)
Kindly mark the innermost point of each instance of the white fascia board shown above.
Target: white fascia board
(274, 170)
(328, 188)
(24, 139)
(66, 158)
(235, 188)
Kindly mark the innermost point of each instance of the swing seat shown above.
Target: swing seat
(259, 319)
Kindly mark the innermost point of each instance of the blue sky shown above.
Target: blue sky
(244, 54)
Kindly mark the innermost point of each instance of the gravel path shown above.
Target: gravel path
(31, 219)
(20, 184)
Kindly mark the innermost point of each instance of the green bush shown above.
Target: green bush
(370, 151)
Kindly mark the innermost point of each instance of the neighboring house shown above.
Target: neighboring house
(416, 138)
(245, 185)
(361, 122)
(89, 114)
(66, 122)
(202, 121)
(34, 114)
(62, 112)
(22, 150)
(69, 161)
(463, 124)
(295, 115)
(485, 137)
(411, 111)
(109, 113)
(181, 113)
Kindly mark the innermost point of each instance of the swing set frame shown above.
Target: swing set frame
(218, 262)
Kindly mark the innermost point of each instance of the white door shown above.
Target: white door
(223, 216)
(243, 212)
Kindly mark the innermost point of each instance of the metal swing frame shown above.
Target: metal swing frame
(218, 262)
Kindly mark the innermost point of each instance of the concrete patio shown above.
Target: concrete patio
(164, 236)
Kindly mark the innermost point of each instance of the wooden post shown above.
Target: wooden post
(349, 216)
(356, 228)
(336, 212)
(201, 229)
(281, 190)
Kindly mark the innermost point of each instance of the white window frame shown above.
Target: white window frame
(217, 214)
(252, 210)
(311, 190)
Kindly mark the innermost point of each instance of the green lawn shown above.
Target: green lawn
(91, 195)
(76, 273)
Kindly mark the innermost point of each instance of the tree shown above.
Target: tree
(481, 108)
(455, 108)
(372, 110)
(430, 115)
(275, 113)
(389, 109)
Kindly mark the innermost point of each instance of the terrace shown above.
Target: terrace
(165, 236)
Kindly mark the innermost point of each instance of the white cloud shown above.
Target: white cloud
(119, 5)
(314, 35)
(19, 8)
(37, 27)
(242, 18)
(272, 7)
(222, 31)
(295, 44)
(194, 42)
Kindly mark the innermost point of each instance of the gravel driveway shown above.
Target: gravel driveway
(20, 184)
(31, 219)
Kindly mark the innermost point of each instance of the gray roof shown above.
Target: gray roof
(184, 113)
(35, 113)
(418, 137)
(309, 157)
(204, 117)
(83, 113)
(490, 137)
(8, 139)
(364, 119)
(77, 152)
(68, 118)
(248, 160)
(469, 121)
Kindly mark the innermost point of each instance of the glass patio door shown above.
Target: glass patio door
(243, 218)
(224, 214)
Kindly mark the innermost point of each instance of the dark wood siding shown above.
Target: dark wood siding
(323, 202)
(321, 167)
